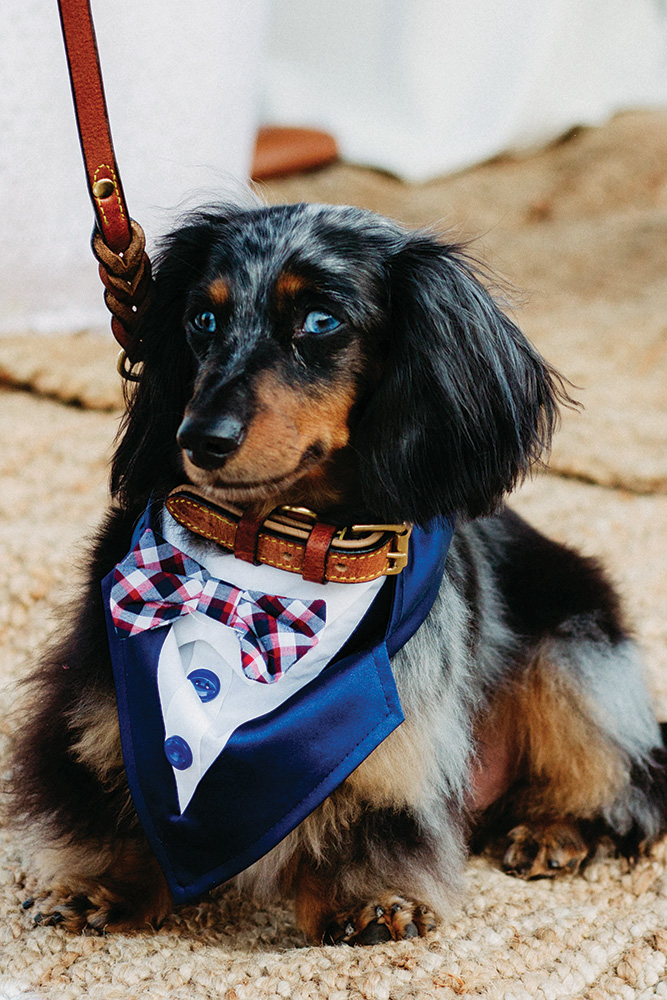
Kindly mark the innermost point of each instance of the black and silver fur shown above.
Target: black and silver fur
(424, 399)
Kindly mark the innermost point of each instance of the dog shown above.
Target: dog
(328, 359)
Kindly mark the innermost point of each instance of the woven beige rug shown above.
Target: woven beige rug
(581, 229)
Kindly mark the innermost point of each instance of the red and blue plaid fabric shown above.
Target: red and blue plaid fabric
(156, 583)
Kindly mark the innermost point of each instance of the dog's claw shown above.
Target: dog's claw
(27, 903)
(48, 919)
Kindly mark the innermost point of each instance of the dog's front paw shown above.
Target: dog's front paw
(96, 912)
(544, 850)
(75, 913)
(95, 887)
(389, 917)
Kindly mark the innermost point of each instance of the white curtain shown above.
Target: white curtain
(425, 87)
(181, 83)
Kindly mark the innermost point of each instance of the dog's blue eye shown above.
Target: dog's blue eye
(319, 321)
(205, 321)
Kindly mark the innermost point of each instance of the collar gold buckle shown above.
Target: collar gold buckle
(399, 555)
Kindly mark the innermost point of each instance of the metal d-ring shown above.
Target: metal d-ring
(125, 367)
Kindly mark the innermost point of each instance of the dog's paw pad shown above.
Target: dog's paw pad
(544, 850)
(390, 917)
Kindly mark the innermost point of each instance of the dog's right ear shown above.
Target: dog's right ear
(465, 405)
(146, 456)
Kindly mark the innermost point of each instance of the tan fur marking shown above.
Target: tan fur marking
(315, 838)
(286, 423)
(310, 867)
(572, 769)
(218, 292)
(288, 285)
(322, 417)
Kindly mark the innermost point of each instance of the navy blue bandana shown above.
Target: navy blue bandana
(276, 768)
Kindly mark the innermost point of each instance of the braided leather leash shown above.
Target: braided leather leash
(118, 242)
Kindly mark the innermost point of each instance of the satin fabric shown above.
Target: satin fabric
(275, 769)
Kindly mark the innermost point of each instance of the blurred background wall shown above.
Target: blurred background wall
(415, 87)
(425, 87)
(181, 82)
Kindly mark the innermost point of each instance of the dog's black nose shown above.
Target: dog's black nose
(209, 443)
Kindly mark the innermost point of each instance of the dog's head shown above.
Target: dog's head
(327, 356)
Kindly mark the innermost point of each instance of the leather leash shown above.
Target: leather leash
(118, 242)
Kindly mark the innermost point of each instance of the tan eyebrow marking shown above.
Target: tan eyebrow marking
(288, 285)
(218, 292)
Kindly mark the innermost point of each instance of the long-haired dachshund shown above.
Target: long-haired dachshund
(328, 359)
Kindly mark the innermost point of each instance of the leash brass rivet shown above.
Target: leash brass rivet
(103, 188)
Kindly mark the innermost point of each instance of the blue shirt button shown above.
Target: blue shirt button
(206, 683)
(178, 753)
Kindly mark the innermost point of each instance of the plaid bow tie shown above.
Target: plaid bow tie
(156, 583)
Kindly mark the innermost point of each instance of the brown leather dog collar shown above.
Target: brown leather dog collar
(292, 538)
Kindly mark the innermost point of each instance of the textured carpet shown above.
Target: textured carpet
(580, 229)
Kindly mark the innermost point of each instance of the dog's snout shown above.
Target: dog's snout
(208, 443)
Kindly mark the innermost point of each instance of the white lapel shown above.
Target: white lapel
(197, 730)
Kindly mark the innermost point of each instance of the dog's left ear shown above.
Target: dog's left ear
(465, 404)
